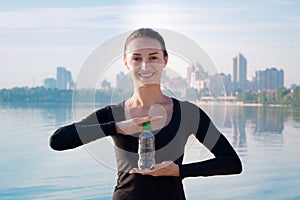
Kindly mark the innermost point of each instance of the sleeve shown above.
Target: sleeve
(226, 160)
(95, 126)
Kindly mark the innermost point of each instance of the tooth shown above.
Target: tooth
(146, 75)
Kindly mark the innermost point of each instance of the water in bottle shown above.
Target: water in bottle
(146, 148)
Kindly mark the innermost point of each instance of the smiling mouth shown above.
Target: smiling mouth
(146, 75)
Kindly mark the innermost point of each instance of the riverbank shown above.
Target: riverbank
(218, 103)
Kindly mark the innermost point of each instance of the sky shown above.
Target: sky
(38, 36)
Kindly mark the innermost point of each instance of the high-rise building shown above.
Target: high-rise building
(61, 78)
(64, 79)
(239, 73)
(269, 79)
(226, 80)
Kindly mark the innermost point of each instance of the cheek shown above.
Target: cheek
(128, 63)
(133, 71)
(132, 65)
(159, 67)
(129, 66)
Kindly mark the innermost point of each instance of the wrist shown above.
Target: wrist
(118, 129)
(177, 170)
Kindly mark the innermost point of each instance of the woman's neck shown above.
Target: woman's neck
(147, 95)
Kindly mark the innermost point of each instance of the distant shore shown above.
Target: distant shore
(205, 103)
(277, 98)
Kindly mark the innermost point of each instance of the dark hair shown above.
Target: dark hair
(149, 33)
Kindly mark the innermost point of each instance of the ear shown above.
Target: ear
(166, 60)
(125, 62)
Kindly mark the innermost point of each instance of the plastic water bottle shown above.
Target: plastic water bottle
(146, 148)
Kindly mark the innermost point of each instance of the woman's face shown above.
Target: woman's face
(145, 60)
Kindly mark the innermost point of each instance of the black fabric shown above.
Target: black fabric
(170, 141)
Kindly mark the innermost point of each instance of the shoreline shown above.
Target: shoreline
(200, 103)
(205, 103)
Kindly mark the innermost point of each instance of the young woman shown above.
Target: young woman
(172, 122)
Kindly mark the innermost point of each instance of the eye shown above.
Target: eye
(136, 59)
(153, 58)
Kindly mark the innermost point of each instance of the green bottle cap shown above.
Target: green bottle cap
(147, 126)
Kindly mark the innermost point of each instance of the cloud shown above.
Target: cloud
(124, 17)
(61, 18)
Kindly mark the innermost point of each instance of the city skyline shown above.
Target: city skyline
(196, 77)
(64, 77)
(63, 81)
(35, 36)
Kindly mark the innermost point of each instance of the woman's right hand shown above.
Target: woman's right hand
(135, 125)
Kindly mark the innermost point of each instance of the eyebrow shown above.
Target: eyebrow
(150, 54)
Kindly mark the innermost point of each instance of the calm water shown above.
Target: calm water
(267, 140)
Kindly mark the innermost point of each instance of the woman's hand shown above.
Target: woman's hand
(135, 125)
(167, 168)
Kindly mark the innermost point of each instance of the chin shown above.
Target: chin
(147, 84)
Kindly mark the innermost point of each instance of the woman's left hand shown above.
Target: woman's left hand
(167, 168)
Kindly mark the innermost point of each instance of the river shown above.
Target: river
(267, 140)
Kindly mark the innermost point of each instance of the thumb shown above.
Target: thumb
(141, 120)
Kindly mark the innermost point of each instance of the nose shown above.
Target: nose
(144, 64)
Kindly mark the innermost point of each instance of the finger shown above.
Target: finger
(132, 171)
(140, 121)
(135, 170)
(139, 171)
(166, 163)
(162, 164)
(156, 118)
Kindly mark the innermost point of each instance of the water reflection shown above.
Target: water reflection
(269, 120)
(53, 113)
(261, 122)
(296, 115)
(31, 170)
(239, 129)
(264, 124)
(58, 115)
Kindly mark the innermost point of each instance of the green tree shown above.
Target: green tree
(262, 97)
(296, 96)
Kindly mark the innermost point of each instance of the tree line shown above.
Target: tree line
(280, 96)
(44, 95)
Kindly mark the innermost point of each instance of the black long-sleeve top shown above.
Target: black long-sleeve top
(170, 141)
